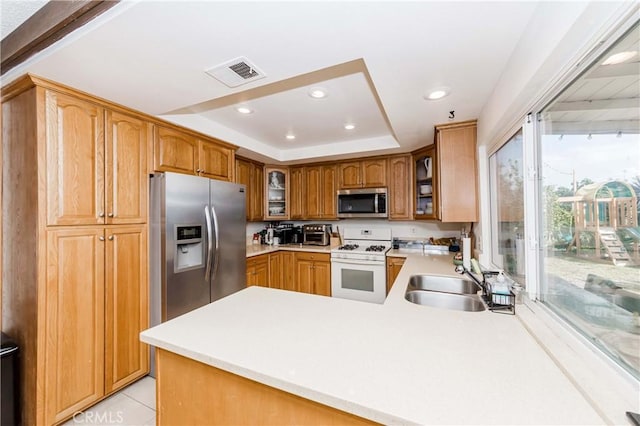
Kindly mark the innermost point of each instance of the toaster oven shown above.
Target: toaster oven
(316, 234)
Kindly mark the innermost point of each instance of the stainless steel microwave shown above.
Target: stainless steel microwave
(367, 202)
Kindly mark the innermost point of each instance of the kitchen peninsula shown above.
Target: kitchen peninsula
(313, 359)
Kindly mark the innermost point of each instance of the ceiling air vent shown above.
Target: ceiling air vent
(236, 72)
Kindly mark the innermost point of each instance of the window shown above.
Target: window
(507, 208)
(589, 159)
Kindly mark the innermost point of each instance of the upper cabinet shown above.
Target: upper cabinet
(251, 175)
(277, 193)
(445, 175)
(127, 142)
(399, 187)
(93, 176)
(369, 173)
(457, 175)
(174, 151)
(297, 193)
(425, 173)
(181, 152)
(320, 184)
(215, 161)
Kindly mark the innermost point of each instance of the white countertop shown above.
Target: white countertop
(396, 363)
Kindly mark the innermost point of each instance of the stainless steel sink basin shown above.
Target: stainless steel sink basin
(442, 284)
(457, 302)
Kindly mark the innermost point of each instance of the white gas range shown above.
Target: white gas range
(358, 267)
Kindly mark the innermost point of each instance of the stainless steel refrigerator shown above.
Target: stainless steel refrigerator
(197, 243)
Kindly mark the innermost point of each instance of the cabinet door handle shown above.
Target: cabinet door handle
(110, 237)
(101, 238)
(101, 214)
(110, 214)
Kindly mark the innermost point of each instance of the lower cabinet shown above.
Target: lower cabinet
(258, 270)
(126, 306)
(394, 264)
(275, 270)
(307, 272)
(288, 264)
(96, 305)
(313, 273)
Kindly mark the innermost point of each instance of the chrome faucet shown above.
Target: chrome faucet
(460, 269)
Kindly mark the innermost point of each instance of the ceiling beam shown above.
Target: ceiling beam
(594, 127)
(596, 105)
(49, 24)
(613, 71)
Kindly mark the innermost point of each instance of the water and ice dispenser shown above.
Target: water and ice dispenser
(188, 249)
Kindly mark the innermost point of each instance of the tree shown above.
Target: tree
(583, 182)
(558, 216)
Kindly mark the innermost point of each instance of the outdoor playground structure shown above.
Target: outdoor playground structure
(606, 213)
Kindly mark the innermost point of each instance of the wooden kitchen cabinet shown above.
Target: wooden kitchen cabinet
(394, 264)
(313, 273)
(368, 173)
(251, 175)
(399, 187)
(297, 193)
(174, 151)
(126, 304)
(288, 264)
(93, 176)
(276, 193)
(74, 347)
(258, 270)
(275, 270)
(75, 160)
(94, 315)
(215, 161)
(320, 192)
(181, 152)
(76, 175)
(452, 175)
(457, 172)
(127, 142)
(426, 192)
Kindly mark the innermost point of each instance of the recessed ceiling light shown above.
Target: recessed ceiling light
(619, 58)
(436, 94)
(244, 110)
(318, 93)
(290, 137)
(349, 126)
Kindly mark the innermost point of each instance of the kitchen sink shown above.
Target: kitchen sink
(442, 284)
(456, 302)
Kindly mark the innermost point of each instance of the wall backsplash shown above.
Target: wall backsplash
(398, 229)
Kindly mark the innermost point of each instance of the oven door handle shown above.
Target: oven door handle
(358, 262)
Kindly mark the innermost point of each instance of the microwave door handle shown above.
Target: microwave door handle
(375, 203)
(216, 249)
(207, 216)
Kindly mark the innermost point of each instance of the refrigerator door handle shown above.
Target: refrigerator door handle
(216, 249)
(207, 216)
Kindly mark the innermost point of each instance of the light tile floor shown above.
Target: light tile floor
(134, 405)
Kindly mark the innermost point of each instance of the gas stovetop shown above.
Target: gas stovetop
(364, 243)
(363, 248)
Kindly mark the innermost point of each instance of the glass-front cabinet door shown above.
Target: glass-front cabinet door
(425, 184)
(277, 193)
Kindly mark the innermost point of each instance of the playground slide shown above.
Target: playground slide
(634, 232)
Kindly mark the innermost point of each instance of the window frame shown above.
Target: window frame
(533, 213)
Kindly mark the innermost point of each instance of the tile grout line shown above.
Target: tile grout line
(139, 402)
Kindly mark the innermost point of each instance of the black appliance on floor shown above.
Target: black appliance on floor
(10, 396)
